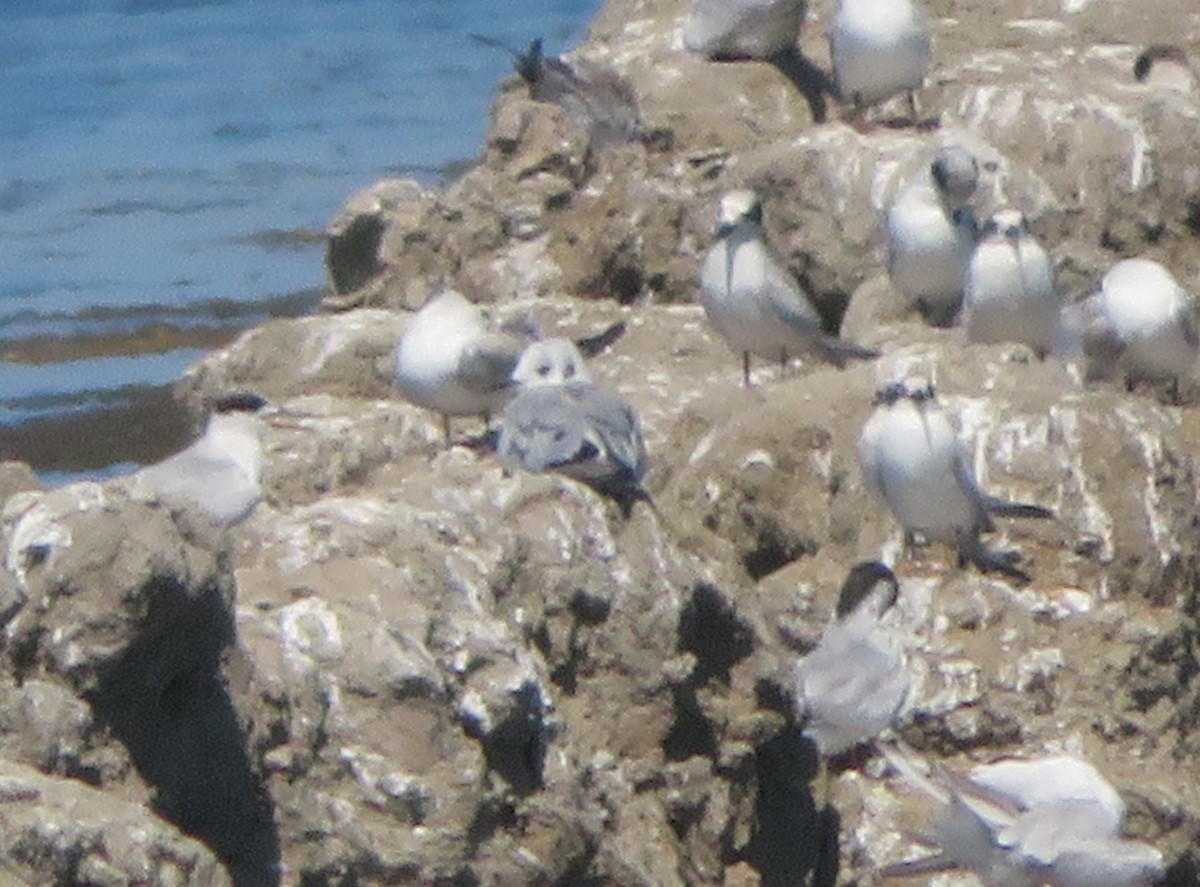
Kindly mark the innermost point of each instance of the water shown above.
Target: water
(167, 166)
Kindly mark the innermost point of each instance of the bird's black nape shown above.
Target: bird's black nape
(863, 577)
(239, 402)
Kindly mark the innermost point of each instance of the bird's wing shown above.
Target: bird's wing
(613, 425)
(966, 481)
(541, 431)
(486, 364)
(785, 299)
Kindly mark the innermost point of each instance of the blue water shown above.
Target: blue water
(147, 145)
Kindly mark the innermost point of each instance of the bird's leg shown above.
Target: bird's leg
(783, 359)
(1173, 390)
(446, 427)
(746, 368)
(913, 109)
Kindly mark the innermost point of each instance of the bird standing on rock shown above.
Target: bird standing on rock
(879, 48)
(931, 234)
(450, 361)
(1141, 323)
(562, 421)
(753, 301)
(1009, 294)
(912, 461)
(219, 474)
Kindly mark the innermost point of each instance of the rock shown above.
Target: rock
(61, 831)
(112, 666)
(432, 672)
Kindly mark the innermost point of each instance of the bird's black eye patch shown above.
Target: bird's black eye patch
(569, 371)
(755, 213)
(861, 581)
(890, 393)
(239, 402)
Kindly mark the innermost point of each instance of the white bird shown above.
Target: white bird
(220, 473)
(1009, 294)
(931, 234)
(1142, 323)
(562, 421)
(879, 49)
(912, 461)
(1025, 823)
(853, 684)
(450, 361)
(742, 29)
(754, 302)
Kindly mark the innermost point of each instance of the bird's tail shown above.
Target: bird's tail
(1004, 508)
(838, 351)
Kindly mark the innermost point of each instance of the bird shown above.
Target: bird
(220, 473)
(752, 300)
(563, 421)
(853, 684)
(742, 29)
(1009, 293)
(931, 233)
(879, 48)
(1023, 823)
(451, 361)
(1141, 323)
(912, 461)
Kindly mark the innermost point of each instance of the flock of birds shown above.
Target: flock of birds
(1052, 821)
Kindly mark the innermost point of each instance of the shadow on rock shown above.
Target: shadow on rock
(793, 843)
(165, 700)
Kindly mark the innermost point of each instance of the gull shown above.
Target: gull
(879, 48)
(754, 302)
(931, 234)
(1024, 823)
(219, 474)
(912, 461)
(1141, 323)
(1009, 294)
(853, 684)
(562, 421)
(450, 361)
(742, 29)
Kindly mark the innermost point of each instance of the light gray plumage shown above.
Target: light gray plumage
(912, 461)
(451, 361)
(931, 234)
(854, 684)
(753, 301)
(562, 421)
(1025, 823)
(1141, 324)
(219, 474)
(742, 29)
(879, 48)
(1009, 295)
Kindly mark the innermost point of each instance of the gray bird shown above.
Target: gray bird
(220, 473)
(753, 301)
(931, 234)
(562, 421)
(1009, 293)
(1053, 821)
(912, 461)
(853, 685)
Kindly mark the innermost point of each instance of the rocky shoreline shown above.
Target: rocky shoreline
(408, 667)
